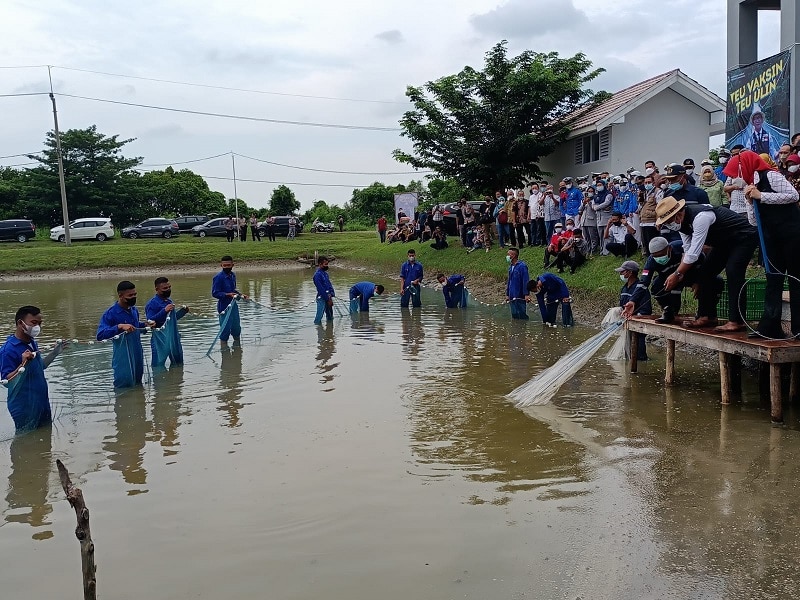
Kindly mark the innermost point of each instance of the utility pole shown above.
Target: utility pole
(64, 210)
(235, 195)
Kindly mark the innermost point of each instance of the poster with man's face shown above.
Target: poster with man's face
(758, 105)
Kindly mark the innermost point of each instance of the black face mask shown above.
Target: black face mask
(325, 268)
(166, 293)
(228, 269)
(130, 301)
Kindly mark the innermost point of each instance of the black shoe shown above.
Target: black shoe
(667, 317)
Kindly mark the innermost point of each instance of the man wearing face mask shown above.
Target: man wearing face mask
(678, 185)
(634, 298)
(517, 294)
(572, 201)
(325, 292)
(602, 204)
(22, 365)
(123, 318)
(724, 157)
(688, 165)
(411, 274)
(732, 240)
(223, 288)
(618, 236)
(168, 344)
(663, 261)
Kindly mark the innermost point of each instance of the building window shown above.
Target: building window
(594, 147)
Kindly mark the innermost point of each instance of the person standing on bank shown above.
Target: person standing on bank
(382, 228)
(325, 292)
(242, 228)
(411, 274)
(271, 228)
(517, 294)
(360, 294)
(230, 225)
(122, 317)
(254, 235)
(223, 288)
(22, 366)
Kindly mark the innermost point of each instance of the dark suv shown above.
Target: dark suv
(187, 222)
(281, 227)
(165, 228)
(20, 230)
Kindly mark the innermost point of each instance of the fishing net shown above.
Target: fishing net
(127, 360)
(28, 401)
(166, 341)
(621, 348)
(545, 385)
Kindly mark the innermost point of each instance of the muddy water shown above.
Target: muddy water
(378, 457)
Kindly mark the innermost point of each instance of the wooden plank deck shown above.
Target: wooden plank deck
(731, 347)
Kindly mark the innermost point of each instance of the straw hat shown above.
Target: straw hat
(667, 209)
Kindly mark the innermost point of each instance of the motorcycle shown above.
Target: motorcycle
(318, 227)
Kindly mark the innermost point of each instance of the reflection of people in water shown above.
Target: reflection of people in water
(230, 379)
(31, 465)
(326, 348)
(167, 409)
(413, 332)
(125, 450)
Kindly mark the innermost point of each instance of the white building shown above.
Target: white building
(666, 119)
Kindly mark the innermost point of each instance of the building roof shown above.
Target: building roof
(595, 118)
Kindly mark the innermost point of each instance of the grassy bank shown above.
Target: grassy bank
(596, 279)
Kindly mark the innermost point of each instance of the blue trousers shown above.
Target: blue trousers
(233, 326)
(322, 307)
(519, 309)
(411, 294)
(566, 313)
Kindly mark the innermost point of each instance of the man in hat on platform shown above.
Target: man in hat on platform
(679, 186)
(732, 240)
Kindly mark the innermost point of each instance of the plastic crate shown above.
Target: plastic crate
(754, 290)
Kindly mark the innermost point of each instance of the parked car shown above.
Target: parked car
(187, 223)
(449, 219)
(157, 227)
(20, 230)
(214, 227)
(281, 227)
(92, 228)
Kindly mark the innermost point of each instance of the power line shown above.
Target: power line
(269, 162)
(25, 94)
(344, 185)
(231, 89)
(184, 162)
(23, 154)
(19, 165)
(229, 116)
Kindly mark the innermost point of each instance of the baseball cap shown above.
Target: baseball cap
(657, 244)
(628, 265)
(688, 162)
(558, 226)
(674, 170)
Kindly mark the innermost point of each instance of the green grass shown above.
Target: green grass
(596, 277)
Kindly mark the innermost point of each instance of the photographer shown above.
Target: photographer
(619, 236)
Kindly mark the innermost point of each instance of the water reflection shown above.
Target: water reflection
(167, 409)
(125, 449)
(230, 382)
(326, 348)
(413, 332)
(31, 465)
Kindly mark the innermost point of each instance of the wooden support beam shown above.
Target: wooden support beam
(82, 532)
(794, 383)
(725, 377)
(775, 399)
(669, 372)
(736, 373)
(634, 351)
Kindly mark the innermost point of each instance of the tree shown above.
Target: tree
(323, 212)
(183, 192)
(11, 181)
(98, 178)
(447, 191)
(283, 201)
(369, 203)
(489, 129)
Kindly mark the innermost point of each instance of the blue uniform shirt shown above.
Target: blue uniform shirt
(410, 272)
(690, 194)
(651, 267)
(552, 286)
(363, 289)
(127, 361)
(155, 310)
(222, 285)
(639, 295)
(573, 201)
(517, 286)
(28, 400)
(323, 284)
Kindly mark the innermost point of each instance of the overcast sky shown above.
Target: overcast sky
(358, 49)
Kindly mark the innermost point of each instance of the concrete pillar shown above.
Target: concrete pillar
(742, 33)
(790, 38)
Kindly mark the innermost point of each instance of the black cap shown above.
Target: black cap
(688, 161)
(674, 170)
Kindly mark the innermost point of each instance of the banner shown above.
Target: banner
(758, 105)
(407, 203)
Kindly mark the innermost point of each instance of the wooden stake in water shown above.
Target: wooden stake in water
(82, 532)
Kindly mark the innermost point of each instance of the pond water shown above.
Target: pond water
(379, 457)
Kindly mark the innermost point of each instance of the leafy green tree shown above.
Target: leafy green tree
(283, 201)
(99, 179)
(446, 191)
(244, 210)
(11, 181)
(183, 192)
(369, 203)
(488, 129)
(322, 211)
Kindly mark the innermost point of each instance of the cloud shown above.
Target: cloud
(528, 19)
(392, 36)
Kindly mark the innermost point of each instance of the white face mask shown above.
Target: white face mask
(33, 330)
(793, 168)
(663, 186)
(672, 226)
(570, 227)
(649, 171)
(723, 160)
(689, 171)
(623, 278)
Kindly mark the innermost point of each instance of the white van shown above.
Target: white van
(93, 228)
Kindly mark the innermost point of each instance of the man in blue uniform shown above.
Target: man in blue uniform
(634, 298)
(360, 294)
(410, 279)
(22, 366)
(167, 343)
(325, 292)
(551, 291)
(455, 295)
(223, 288)
(122, 319)
(517, 294)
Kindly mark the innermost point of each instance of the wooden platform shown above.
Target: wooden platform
(731, 347)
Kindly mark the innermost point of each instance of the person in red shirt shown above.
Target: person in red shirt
(382, 228)
(558, 239)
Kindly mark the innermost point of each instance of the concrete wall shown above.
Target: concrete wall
(667, 128)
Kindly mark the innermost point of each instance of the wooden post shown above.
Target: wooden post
(794, 383)
(669, 373)
(634, 351)
(736, 373)
(725, 376)
(82, 532)
(775, 393)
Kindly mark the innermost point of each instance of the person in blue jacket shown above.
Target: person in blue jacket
(551, 291)
(22, 368)
(573, 201)
(360, 294)
(223, 288)
(634, 298)
(517, 294)
(455, 294)
(410, 279)
(626, 200)
(164, 344)
(325, 291)
(121, 322)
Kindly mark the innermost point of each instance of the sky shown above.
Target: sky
(309, 61)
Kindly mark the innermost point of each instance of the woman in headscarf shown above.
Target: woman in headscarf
(778, 220)
(712, 186)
